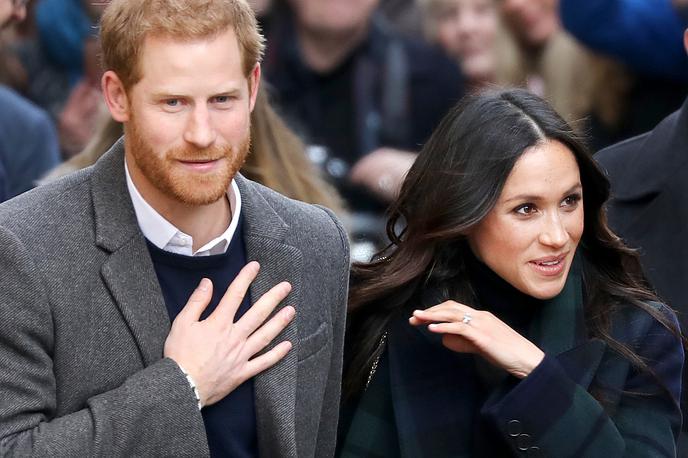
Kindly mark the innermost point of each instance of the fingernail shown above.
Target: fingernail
(289, 311)
(204, 285)
(415, 312)
(433, 325)
(286, 286)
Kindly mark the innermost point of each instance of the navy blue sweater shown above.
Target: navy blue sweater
(231, 423)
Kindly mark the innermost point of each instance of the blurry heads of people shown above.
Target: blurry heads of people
(333, 16)
(467, 30)
(533, 22)
(12, 11)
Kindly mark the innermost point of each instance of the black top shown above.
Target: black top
(390, 91)
(230, 424)
(496, 295)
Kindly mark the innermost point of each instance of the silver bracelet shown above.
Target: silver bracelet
(192, 384)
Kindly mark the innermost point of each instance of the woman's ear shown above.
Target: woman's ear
(115, 96)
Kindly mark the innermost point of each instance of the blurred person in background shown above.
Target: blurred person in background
(649, 178)
(470, 32)
(404, 15)
(549, 62)
(594, 91)
(61, 64)
(646, 36)
(349, 83)
(28, 142)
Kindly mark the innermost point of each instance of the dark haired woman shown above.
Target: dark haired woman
(505, 318)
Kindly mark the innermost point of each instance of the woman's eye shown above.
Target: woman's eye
(571, 201)
(525, 209)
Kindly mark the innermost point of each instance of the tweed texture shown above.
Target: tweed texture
(83, 324)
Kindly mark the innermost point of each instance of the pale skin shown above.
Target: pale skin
(11, 13)
(194, 94)
(218, 353)
(388, 164)
(529, 239)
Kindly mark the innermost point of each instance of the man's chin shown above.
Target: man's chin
(199, 191)
(198, 198)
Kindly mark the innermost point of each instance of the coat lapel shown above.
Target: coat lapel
(128, 272)
(275, 388)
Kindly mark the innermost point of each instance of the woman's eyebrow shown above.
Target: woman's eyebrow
(535, 197)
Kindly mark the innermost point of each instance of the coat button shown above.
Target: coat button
(514, 428)
(535, 452)
(523, 442)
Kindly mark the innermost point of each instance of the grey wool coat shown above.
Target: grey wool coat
(83, 324)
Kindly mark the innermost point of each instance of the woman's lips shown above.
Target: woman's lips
(549, 266)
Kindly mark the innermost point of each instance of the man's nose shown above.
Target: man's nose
(199, 129)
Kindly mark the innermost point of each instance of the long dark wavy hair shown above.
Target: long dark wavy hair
(454, 183)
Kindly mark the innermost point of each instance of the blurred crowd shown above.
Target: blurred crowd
(353, 88)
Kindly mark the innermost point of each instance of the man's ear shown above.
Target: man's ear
(254, 85)
(115, 96)
(685, 40)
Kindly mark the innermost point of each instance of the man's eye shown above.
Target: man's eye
(222, 99)
(172, 103)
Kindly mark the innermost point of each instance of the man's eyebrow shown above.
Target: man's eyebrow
(173, 95)
(167, 95)
(534, 197)
(233, 91)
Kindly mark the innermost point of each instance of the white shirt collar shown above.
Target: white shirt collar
(167, 237)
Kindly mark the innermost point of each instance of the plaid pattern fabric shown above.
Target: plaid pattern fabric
(373, 430)
(430, 403)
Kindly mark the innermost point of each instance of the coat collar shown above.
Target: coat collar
(129, 276)
(131, 279)
(643, 176)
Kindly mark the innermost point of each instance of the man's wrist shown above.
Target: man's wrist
(192, 384)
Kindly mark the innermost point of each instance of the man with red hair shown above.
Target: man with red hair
(120, 334)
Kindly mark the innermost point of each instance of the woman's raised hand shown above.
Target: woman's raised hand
(466, 330)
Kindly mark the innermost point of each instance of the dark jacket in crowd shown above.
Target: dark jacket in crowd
(649, 208)
(391, 91)
(29, 147)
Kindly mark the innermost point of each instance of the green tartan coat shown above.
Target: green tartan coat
(421, 402)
